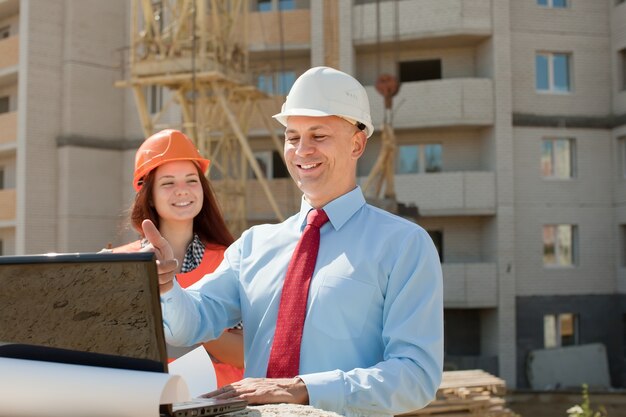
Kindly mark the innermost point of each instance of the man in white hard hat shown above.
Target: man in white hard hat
(366, 336)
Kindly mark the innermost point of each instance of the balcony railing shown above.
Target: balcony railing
(449, 193)
(437, 103)
(8, 127)
(448, 22)
(9, 52)
(264, 31)
(284, 190)
(470, 285)
(7, 204)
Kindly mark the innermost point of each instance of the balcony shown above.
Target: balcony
(437, 103)
(427, 23)
(9, 54)
(7, 205)
(470, 285)
(8, 128)
(449, 193)
(265, 34)
(285, 192)
(9, 8)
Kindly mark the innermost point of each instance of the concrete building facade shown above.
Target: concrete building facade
(511, 130)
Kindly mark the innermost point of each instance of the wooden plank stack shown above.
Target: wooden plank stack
(473, 393)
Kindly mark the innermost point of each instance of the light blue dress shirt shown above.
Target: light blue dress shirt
(372, 342)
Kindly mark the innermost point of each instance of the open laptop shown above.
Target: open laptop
(98, 309)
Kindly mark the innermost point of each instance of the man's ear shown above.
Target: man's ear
(359, 140)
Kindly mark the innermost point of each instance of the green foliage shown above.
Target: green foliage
(584, 408)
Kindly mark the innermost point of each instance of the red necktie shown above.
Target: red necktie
(284, 359)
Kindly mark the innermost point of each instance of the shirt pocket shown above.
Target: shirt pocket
(341, 307)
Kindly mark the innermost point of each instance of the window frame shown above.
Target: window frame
(551, 73)
(154, 99)
(573, 243)
(621, 144)
(407, 74)
(550, 4)
(267, 160)
(421, 158)
(274, 5)
(7, 100)
(276, 83)
(622, 68)
(557, 330)
(622, 238)
(572, 158)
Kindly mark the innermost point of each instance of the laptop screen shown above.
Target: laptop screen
(102, 308)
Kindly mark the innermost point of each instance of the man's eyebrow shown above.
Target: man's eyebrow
(316, 127)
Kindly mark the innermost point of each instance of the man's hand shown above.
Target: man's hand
(265, 391)
(166, 263)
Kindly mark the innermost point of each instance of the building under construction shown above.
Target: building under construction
(507, 132)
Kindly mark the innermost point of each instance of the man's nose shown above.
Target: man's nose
(305, 147)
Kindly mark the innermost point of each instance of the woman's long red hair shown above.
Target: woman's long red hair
(209, 224)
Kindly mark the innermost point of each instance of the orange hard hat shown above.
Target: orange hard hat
(165, 146)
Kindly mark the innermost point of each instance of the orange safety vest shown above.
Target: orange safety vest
(213, 255)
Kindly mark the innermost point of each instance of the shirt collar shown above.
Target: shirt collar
(338, 210)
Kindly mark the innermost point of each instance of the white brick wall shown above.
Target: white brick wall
(421, 19)
(90, 204)
(455, 62)
(462, 237)
(39, 123)
(585, 201)
(583, 31)
(450, 102)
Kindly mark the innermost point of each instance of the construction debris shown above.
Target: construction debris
(474, 393)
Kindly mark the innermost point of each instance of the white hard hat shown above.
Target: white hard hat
(324, 91)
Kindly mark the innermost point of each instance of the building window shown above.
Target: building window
(557, 4)
(560, 330)
(154, 99)
(622, 229)
(268, 5)
(271, 164)
(437, 237)
(622, 69)
(559, 245)
(557, 158)
(420, 70)
(418, 159)
(264, 159)
(622, 154)
(277, 83)
(5, 32)
(2, 178)
(4, 104)
(552, 72)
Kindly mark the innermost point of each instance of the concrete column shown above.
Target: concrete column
(502, 151)
(40, 95)
(346, 48)
(317, 33)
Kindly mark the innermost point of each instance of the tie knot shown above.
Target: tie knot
(316, 218)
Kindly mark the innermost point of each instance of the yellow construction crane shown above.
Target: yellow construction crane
(197, 50)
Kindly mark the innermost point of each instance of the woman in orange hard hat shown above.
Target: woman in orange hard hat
(173, 192)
